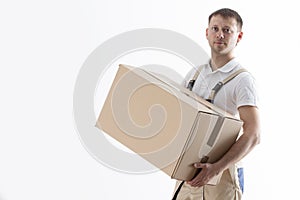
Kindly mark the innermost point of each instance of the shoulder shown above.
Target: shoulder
(194, 70)
(245, 90)
(244, 79)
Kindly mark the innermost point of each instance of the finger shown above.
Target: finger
(191, 182)
(195, 183)
(199, 165)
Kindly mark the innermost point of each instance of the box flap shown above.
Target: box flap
(201, 131)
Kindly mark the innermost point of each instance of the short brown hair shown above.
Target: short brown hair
(228, 13)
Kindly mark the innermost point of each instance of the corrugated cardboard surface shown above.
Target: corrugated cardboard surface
(164, 123)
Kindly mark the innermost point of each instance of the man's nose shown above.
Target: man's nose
(220, 34)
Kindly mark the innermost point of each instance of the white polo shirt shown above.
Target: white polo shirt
(240, 91)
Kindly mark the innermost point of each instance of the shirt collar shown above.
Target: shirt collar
(227, 67)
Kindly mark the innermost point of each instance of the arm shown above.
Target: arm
(248, 140)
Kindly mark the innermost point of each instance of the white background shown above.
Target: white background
(42, 47)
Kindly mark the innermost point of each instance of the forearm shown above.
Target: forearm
(239, 150)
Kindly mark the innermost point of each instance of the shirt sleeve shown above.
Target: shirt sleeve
(246, 92)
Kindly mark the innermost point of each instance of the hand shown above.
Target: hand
(207, 172)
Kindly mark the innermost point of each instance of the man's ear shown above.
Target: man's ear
(240, 36)
(206, 32)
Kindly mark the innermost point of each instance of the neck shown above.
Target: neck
(218, 61)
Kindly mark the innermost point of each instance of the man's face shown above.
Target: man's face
(223, 34)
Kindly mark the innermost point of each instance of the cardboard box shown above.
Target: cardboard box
(165, 123)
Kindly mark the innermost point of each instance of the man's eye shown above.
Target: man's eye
(215, 29)
(226, 30)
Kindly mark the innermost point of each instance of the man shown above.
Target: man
(238, 97)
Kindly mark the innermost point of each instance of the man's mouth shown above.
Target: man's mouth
(219, 42)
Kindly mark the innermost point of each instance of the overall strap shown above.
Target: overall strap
(193, 80)
(220, 84)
